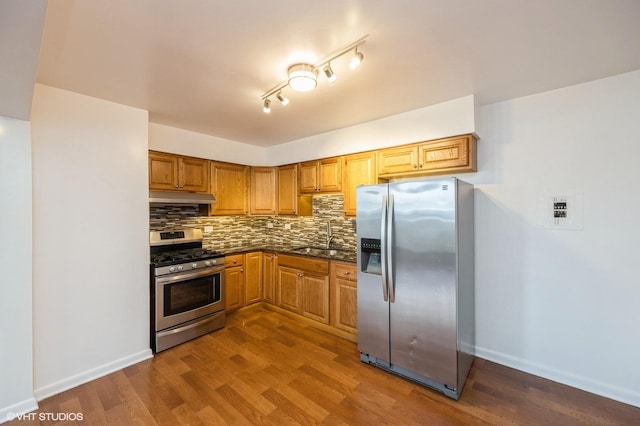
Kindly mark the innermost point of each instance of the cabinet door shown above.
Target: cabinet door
(229, 183)
(359, 169)
(345, 303)
(287, 289)
(163, 171)
(263, 191)
(287, 189)
(315, 297)
(253, 277)
(397, 160)
(447, 153)
(330, 174)
(269, 261)
(234, 287)
(194, 174)
(308, 177)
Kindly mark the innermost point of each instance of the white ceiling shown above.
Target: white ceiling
(203, 65)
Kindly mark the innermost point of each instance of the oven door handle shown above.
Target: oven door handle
(188, 275)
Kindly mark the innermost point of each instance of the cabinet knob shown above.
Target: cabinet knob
(415, 166)
(347, 273)
(420, 165)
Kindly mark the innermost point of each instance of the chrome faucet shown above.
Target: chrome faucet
(329, 235)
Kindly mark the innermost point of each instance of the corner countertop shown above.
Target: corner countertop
(339, 254)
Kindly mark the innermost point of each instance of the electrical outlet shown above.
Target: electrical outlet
(269, 225)
(287, 226)
(208, 228)
(562, 211)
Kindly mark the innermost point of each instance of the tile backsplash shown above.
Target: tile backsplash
(229, 232)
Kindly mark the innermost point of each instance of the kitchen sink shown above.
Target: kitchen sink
(318, 251)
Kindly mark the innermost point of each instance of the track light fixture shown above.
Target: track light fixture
(282, 99)
(356, 60)
(331, 77)
(303, 77)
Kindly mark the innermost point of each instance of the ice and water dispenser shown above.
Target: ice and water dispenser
(370, 255)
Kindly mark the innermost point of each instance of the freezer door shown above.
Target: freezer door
(423, 251)
(373, 310)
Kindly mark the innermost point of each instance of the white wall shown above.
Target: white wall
(90, 245)
(562, 304)
(179, 141)
(450, 118)
(16, 343)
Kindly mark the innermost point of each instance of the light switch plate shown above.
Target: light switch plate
(562, 211)
(208, 228)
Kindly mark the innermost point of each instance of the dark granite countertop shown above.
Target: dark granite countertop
(334, 254)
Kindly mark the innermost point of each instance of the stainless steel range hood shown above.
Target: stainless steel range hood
(168, 197)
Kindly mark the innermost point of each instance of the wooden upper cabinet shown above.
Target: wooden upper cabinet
(398, 160)
(229, 184)
(321, 176)
(287, 189)
(289, 202)
(263, 191)
(177, 173)
(455, 154)
(358, 169)
(194, 174)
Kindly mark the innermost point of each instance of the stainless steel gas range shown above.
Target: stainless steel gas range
(187, 288)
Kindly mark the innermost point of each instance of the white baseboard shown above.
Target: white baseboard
(87, 376)
(626, 396)
(10, 412)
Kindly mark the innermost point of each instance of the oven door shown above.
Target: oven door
(187, 296)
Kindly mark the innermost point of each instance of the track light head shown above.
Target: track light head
(267, 106)
(282, 99)
(328, 72)
(356, 60)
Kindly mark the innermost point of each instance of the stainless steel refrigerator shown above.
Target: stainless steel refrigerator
(416, 280)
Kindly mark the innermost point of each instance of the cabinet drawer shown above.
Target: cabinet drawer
(304, 263)
(234, 260)
(346, 271)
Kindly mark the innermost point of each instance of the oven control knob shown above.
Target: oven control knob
(194, 265)
(172, 268)
(179, 268)
(207, 263)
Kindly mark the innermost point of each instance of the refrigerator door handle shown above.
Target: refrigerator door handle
(383, 249)
(391, 285)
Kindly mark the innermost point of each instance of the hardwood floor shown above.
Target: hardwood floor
(266, 368)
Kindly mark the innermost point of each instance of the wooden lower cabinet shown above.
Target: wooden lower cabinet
(302, 286)
(234, 282)
(344, 296)
(288, 289)
(269, 262)
(252, 277)
(315, 297)
(243, 280)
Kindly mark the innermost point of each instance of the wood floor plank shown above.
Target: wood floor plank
(267, 368)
